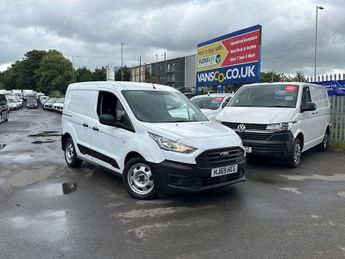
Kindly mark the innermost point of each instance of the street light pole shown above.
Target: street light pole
(122, 44)
(316, 20)
(73, 74)
(273, 70)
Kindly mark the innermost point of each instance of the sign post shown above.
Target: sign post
(231, 58)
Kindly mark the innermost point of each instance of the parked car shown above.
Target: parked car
(31, 103)
(132, 130)
(58, 105)
(49, 104)
(12, 102)
(211, 104)
(43, 99)
(280, 119)
(4, 109)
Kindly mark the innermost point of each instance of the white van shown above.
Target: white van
(150, 134)
(280, 119)
(211, 104)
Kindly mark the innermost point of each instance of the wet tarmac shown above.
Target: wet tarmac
(48, 210)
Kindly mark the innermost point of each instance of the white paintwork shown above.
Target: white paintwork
(116, 142)
(312, 124)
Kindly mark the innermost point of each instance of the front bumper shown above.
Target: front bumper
(277, 144)
(176, 177)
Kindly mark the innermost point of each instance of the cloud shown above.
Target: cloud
(93, 30)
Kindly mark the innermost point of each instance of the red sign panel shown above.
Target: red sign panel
(243, 48)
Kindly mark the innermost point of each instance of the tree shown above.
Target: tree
(126, 74)
(99, 74)
(54, 73)
(29, 65)
(299, 77)
(83, 74)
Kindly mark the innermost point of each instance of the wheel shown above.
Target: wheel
(71, 155)
(138, 179)
(6, 118)
(324, 144)
(295, 157)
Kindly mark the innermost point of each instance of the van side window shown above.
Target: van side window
(109, 104)
(306, 97)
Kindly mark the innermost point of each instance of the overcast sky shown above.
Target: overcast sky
(93, 30)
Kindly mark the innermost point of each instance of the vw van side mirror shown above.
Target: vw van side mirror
(108, 119)
(308, 107)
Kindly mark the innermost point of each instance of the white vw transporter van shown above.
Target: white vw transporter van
(150, 134)
(280, 119)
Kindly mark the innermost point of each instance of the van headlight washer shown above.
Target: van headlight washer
(171, 145)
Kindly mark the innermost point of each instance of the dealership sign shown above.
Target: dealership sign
(229, 59)
(334, 87)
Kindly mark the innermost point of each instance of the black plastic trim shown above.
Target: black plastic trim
(88, 151)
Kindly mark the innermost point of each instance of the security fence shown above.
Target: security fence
(338, 118)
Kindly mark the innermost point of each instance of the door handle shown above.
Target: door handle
(95, 128)
(85, 125)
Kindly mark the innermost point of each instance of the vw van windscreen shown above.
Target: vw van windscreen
(270, 95)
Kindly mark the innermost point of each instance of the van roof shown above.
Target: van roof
(285, 83)
(120, 85)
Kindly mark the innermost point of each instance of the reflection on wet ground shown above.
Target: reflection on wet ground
(43, 141)
(46, 133)
(56, 189)
(2, 146)
(68, 188)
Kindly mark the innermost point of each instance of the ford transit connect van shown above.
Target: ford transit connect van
(280, 119)
(150, 134)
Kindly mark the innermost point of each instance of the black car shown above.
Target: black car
(4, 109)
(31, 103)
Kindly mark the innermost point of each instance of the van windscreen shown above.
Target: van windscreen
(270, 95)
(162, 106)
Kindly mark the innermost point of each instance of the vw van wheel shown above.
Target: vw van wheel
(70, 154)
(138, 179)
(296, 153)
(324, 144)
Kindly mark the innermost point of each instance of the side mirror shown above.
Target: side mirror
(308, 107)
(108, 119)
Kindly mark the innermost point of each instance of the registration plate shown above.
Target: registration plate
(224, 170)
(248, 149)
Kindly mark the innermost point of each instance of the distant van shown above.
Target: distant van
(152, 135)
(4, 109)
(280, 119)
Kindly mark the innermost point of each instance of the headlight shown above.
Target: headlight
(171, 145)
(279, 126)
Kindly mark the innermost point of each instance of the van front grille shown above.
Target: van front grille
(249, 126)
(220, 157)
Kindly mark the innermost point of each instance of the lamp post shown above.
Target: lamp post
(73, 74)
(274, 61)
(316, 20)
(122, 44)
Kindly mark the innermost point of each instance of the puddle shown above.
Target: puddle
(341, 194)
(328, 178)
(46, 133)
(290, 189)
(2, 146)
(68, 188)
(43, 141)
(56, 189)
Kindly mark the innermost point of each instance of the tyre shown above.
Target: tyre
(6, 118)
(138, 179)
(295, 157)
(323, 146)
(1, 117)
(71, 155)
